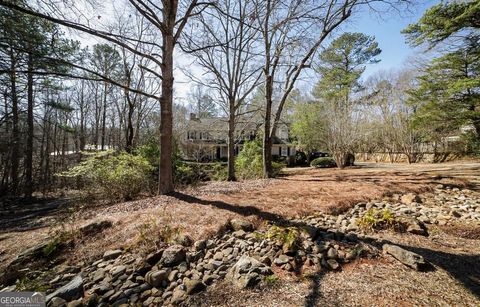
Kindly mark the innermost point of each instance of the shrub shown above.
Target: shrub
(109, 175)
(471, 144)
(219, 172)
(249, 162)
(288, 237)
(378, 220)
(186, 173)
(323, 162)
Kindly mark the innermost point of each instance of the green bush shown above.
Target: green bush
(219, 172)
(323, 162)
(249, 162)
(471, 144)
(113, 176)
(380, 220)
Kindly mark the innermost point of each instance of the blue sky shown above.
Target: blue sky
(386, 30)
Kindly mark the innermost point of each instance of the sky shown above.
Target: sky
(386, 29)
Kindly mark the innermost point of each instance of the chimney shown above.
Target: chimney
(193, 116)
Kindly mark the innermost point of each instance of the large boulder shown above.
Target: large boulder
(71, 291)
(173, 255)
(247, 272)
(408, 258)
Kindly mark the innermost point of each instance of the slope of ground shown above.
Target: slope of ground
(202, 211)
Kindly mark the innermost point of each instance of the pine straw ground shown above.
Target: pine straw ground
(203, 210)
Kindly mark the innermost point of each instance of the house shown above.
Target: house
(205, 139)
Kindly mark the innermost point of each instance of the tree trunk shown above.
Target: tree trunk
(82, 119)
(165, 182)
(231, 142)
(104, 116)
(15, 154)
(97, 117)
(30, 131)
(130, 132)
(267, 139)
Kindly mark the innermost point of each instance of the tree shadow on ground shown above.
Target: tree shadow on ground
(464, 268)
(21, 214)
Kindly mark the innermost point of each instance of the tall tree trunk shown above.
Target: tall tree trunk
(104, 116)
(30, 131)
(165, 182)
(15, 154)
(97, 117)
(231, 142)
(82, 118)
(130, 132)
(267, 138)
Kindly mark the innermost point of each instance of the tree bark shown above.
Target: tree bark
(15, 154)
(267, 138)
(165, 183)
(30, 131)
(231, 142)
(130, 132)
(104, 116)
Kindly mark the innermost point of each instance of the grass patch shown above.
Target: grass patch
(379, 220)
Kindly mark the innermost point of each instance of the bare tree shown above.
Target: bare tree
(292, 33)
(169, 18)
(224, 47)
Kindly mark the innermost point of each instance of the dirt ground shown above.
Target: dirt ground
(201, 211)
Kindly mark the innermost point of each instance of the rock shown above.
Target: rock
(118, 270)
(194, 286)
(281, 260)
(75, 303)
(178, 296)
(247, 272)
(416, 227)
(200, 245)
(173, 255)
(71, 291)
(240, 224)
(92, 301)
(183, 239)
(333, 264)
(408, 258)
(57, 302)
(218, 256)
(410, 198)
(209, 279)
(153, 258)
(95, 227)
(173, 275)
(156, 278)
(112, 254)
(239, 234)
(332, 253)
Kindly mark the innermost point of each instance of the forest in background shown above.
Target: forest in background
(60, 98)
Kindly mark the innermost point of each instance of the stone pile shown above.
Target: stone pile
(169, 276)
(244, 256)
